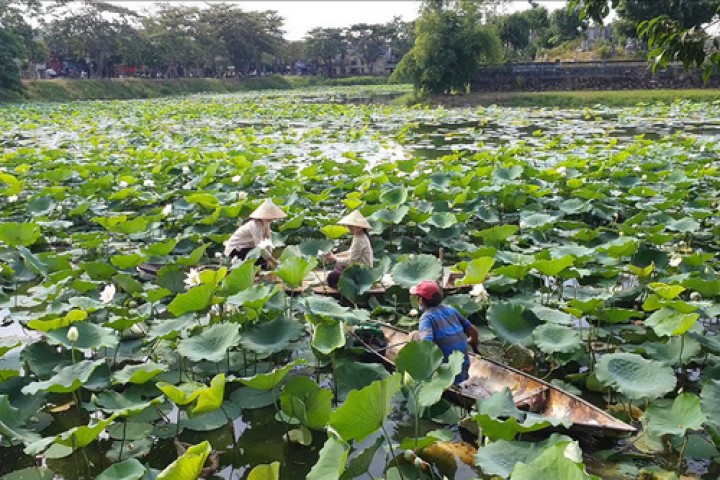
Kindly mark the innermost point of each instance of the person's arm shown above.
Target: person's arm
(425, 328)
(474, 340)
(260, 232)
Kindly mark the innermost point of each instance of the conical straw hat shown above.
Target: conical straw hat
(268, 211)
(355, 218)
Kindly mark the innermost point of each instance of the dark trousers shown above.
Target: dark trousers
(243, 253)
(334, 277)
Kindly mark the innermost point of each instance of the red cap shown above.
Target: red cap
(427, 289)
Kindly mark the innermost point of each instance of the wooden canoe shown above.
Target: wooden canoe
(316, 282)
(530, 393)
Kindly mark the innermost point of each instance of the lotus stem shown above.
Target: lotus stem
(122, 442)
(392, 449)
(681, 456)
(682, 347)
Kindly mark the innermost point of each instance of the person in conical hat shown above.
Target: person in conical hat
(255, 233)
(360, 249)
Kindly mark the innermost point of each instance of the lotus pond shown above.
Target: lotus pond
(590, 238)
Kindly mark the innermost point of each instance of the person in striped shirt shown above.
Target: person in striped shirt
(444, 325)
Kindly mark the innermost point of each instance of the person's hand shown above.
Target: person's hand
(330, 257)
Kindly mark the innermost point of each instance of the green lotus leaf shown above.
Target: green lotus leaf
(497, 234)
(265, 472)
(364, 411)
(240, 278)
(442, 220)
(196, 299)
(189, 465)
(514, 271)
(130, 469)
(67, 379)
(182, 394)
(634, 376)
(675, 417)
(268, 381)
(334, 231)
(45, 325)
(127, 283)
(684, 225)
(32, 261)
(82, 436)
(550, 315)
(90, 337)
(621, 247)
(710, 400)
(355, 281)
(419, 359)
(674, 350)
(536, 220)
(293, 270)
(706, 288)
(431, 391)
(618, 315)
(668, 322)
(170, 328)
(42, 359)
(266, 338)
(120, 451)
(212, 343)
(391, 216)
(551, 338)
(14, 186)
(125, 404)
(667, 292)
(512, 323)
(477, 271)
(194, 257)
(315, 247)
(211, 398)
(554, 463)
(319, 309)
(156, 294)
(9, 343)
(300, 436)
(328, 336)
(125, 262)
(293, 223)
(394, 196)
(98, 270)
(253, 297)
(14, 233)
(412, 271)
(586, 306)
(250, 398)
(130, 227)
(161, 249)
(30, 473)
(307, 401)
(500, 457)
(138, 374)
(130, 430)
(331, 460)
(553, 267)
(351, 375)
(206, 200)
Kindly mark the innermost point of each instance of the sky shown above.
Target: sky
(301, 15)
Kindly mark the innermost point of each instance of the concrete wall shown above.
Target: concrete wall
(558, 76)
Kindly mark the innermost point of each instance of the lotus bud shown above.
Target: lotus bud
(695, 296)
(167, 210)
(73, 334)
(12, 198)
(236, 178)
(122, 184)
(418, 462)
(409, 455)
(108, 293)
(413, 313)
(149, 183)
(675, 261)
(186, 170)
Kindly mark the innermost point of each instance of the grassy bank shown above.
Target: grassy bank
(612, 98)
(66, 90)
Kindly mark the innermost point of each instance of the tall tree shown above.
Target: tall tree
(326, 44)
(370, 42)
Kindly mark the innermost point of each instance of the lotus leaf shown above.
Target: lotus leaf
(331, 461)
(30, 473)
(265, 472)
(536, 220)
(410, 272)
(674, 350)
(710, 400)
(250, 398)
(684, 225)
(9, 343)
(253, 297)
(634, 376)
(552, 268)
(551, 338)
(138, 373)
(352, 375)
(212, 344)
(268, 381)
(499, 458)
(196, 299)
(188, 465)
(314, 247)
(307, 401)
(67, 379)
(14, 234)
(554, 462)
(294, 270)
(170, 328)
(355, 281)
(675, 417)
(390, 216)
(498, 234)
(130, 469)
(205, 422)
(328, 336)
(194, 257)
(182, 394)
(365, 410)
(90, 337)
(513, 323)
(394, 196)
(98, 270)
(319, 309)
(668, 322)
(477, 271)
(130, 430)
(271, 337)
(211, 398)
(442, 220)
(240, 278)
(334, 232)
(419, 359)
(431, 391)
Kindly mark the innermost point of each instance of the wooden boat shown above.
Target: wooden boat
(530, 393)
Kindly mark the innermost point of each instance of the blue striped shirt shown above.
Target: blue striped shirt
(445, 326)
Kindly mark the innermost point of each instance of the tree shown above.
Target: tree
(677, 33)
(370, 42)
(18, 44)
(449, 45)
(326, 44)
(565, 24)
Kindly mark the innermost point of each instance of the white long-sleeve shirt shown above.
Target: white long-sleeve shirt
(248, 235)
(360, 252)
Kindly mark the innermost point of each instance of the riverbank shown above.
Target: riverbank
(60, 90)
(573, 99)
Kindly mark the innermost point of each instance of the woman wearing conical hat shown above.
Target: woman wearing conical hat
(360, 249)
(255, 233)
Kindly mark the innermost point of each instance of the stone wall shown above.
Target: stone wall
(556, 76)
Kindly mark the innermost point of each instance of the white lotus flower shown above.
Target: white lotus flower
(242, 195)
(186, 170)
(562, 170)
(193, 278)
(73, 334)
(265, 244)
(478, 291)
(149, 183)
(522, 224)
(218, 255)
(167, 210)
(236, 178)
(12, 198)
(413, 313)
(550, 282)
(321, 252)
(695, 296)
(215, 310)
(108, 293)
(675, 260)
(122, 184)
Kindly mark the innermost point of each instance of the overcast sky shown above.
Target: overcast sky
(301, 16)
